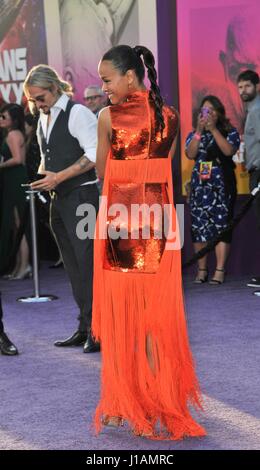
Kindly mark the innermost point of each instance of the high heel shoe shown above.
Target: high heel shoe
(200, 279)
(25, 274)
(112, 421)
(9, 276)
(217, 282)
(149, 434)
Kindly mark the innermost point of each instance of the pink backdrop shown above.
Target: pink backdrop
(216, 41)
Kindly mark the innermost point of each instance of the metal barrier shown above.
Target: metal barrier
(36, 297)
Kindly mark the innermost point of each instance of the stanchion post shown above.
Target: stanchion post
(37, 297)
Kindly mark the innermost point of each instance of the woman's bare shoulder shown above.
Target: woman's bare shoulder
(15, 135)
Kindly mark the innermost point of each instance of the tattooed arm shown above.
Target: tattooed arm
(82, 165)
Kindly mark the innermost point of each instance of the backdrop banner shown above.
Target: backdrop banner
(217, 39)
(22, 45)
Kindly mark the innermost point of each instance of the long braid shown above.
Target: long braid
(155, 93)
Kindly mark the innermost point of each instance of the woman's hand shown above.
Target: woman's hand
(211, 122)
(201, 122)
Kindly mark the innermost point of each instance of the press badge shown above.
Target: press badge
(205, 170)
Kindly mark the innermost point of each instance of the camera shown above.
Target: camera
(204, 112)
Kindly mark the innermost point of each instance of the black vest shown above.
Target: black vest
(62, 151)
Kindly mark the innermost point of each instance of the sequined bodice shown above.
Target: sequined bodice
(134, 135)
(137, 175)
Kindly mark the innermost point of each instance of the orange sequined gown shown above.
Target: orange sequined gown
(148, 375)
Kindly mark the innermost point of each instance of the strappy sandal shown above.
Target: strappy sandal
(217, 282)
(147, 434)
(112, 421)
(200, 279)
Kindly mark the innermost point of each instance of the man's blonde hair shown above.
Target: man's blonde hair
(43, 76)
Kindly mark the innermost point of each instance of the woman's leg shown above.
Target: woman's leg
(202, 274)
(22, 257)
(222, 251)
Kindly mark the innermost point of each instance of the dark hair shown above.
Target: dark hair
(223, 123)
(31, 119)
(248, 75)
(17, 115)
(126, 58)
(30, 138)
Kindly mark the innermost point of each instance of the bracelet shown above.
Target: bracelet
(197, 136)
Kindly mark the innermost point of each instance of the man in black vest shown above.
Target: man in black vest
(67, 138)
(6, 346)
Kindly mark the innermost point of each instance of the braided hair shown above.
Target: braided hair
(126, 58)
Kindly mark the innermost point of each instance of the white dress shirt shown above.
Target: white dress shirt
(82, 125)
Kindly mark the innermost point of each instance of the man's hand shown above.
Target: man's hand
(48, 183)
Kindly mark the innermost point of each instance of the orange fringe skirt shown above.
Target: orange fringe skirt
(148, 375)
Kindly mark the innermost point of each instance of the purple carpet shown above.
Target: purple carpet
(48, 395)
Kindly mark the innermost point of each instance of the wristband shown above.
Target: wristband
(197, 136)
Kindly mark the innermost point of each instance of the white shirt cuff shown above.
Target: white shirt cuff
(91, 154)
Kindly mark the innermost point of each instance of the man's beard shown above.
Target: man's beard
(247, 98)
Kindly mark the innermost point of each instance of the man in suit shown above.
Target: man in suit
(67, 138)
(6, 346)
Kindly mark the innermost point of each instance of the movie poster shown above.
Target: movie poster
(89, 28)
(22, 44)
(216, 41)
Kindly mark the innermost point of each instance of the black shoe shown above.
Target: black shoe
(201, 278)
(254, 282)
(90, 345)
(221, 277)
(6, 346)
(76, 339)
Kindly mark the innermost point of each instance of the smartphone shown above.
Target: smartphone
(37, 177)
(204, 112)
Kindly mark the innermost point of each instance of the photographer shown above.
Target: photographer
(213, 183)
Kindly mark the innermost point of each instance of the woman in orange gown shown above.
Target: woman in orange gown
(148, 376)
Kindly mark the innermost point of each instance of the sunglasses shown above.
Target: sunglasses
(91, 98)
(39, 99)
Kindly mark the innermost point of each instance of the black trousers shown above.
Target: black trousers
(254, 179)
(77, 254)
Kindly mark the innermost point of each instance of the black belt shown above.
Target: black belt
(56, 192)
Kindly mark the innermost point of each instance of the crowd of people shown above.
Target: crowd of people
(132, 283)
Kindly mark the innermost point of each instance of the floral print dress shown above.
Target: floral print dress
(211, 203)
